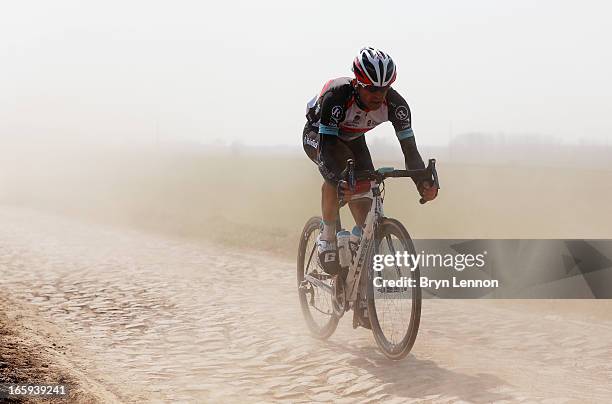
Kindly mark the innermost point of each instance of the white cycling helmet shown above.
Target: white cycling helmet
(373, 67)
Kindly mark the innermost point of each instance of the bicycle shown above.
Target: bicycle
(324, 298)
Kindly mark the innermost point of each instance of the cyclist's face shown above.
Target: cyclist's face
(372, 97)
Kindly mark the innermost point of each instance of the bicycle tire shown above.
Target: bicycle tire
(304, 252)
(400, 350)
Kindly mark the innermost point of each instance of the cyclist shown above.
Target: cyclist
(337, 120)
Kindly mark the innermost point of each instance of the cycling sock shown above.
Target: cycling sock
(329, 231)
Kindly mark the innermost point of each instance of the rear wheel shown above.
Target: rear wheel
(317, 304)
(394, 311)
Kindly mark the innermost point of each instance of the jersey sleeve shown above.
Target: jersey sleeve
(333, 103)
(399, 115)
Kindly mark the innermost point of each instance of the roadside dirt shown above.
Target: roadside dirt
(33, 351)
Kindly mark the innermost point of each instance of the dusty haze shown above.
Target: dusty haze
(151, 167)
(260, 198)
(239, 71)
(140, 256)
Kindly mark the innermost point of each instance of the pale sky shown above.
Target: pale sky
(243, 70)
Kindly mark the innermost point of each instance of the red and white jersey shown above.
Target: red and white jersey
(337, 111)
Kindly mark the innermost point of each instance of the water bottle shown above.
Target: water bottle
(344, 249)
(354, 240)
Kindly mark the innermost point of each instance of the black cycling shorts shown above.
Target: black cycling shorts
(330, 153)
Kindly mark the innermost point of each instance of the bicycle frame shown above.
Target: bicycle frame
(375, 214)
(355, 272)
(350, 288)
(354, 279)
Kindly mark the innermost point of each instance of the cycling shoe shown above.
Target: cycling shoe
(327, 254)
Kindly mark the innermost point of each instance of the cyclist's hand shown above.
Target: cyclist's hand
(427, 191)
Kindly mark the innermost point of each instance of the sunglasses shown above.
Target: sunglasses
(374, 89)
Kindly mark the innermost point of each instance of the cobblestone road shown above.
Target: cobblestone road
(169, 320)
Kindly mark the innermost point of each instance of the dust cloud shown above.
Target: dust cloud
(260, 198)
(178, 261)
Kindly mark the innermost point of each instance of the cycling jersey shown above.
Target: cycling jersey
(337, 111)
(337, 122)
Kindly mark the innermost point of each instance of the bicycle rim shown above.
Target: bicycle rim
(394, 311)
(316, 304)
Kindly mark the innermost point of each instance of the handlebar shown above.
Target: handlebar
(428, 173)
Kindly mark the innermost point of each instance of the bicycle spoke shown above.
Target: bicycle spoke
(314, 247)
(395, 314)
(315, 287)
(392, 249)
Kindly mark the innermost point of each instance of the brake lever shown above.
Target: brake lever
(435, 174)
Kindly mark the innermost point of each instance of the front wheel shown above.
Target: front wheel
(315, 297)
(394, 305)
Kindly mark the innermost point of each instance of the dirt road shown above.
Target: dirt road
(160, 319)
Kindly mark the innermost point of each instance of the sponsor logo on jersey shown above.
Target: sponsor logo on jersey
(356, 121)
(311, 142)
(401, 113)
(336, 112)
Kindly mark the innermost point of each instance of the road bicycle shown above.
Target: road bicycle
(383, 300)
